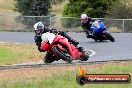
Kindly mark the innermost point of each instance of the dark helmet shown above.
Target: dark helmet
(39, 28)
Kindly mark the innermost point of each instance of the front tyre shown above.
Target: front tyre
(110, 37)
(49, 58)
(61, 55)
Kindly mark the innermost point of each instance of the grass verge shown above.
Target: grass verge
(51, 77)
(62, 77)
(19, 53)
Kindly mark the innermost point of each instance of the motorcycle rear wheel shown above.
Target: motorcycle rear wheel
(61, 55)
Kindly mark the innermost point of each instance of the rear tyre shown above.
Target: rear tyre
(62, 55)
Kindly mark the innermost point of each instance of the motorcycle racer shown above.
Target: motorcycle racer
(86, 23)
(39, 29)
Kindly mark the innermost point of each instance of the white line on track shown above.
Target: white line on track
(8, 43)
(2, 42)
(91, 52)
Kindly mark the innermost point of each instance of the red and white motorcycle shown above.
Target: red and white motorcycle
(60, 48)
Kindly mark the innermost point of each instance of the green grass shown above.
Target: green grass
(14, 54)
(8, 55)
(68, 79)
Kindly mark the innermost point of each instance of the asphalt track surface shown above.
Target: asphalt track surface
(121, 49)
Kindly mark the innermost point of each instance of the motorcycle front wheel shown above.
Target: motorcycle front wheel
(62, 55)
(110, 37)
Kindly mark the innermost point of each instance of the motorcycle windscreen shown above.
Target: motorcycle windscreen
(97, 27)
(98, 24)
(49, 36)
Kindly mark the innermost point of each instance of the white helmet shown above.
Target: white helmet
(84, 18)
(39, 26)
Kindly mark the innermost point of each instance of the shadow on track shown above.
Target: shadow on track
(105, 41)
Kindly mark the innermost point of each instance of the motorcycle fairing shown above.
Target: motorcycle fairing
(97, 26)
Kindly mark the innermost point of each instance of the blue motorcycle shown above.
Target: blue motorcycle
(99, 32)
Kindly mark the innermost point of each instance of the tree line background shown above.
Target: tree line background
(74, 8)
